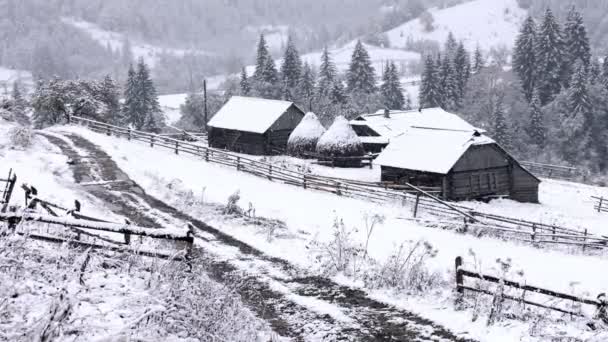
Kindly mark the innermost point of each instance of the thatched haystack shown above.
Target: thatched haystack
(303, 140)
(341, 141)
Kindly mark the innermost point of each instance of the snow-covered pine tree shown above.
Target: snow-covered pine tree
(337, 94)
(430, 95)
(361, 76)
(291, 69)
(478, 60)
(108, 95)
(306, 86)
(192, 112)
(327, 74)
(450, 46)
(391, 91)
(448, 85)
(549, 58)
(576, 43)
(580, 107)
(502, 132)
(18, 105)
(595, 71)
(462, 70)
(604, 77)
(261, 60)
(537, 130)
(524, 57)
(244, 83)
(131, 108)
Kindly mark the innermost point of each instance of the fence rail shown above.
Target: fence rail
(7, 189)
(462, 273)
(552, 171)
(601, 204)
(535, 233)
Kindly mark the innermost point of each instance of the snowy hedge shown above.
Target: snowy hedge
(304, 138)
(340, 140)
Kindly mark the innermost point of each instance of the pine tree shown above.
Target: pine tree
(361, 74)
(604, 77)
(576, 42)
(549, 58)
(575, 124)
(595, 71)
(537, 130)
(19, 105)
(141, 108)
(108, 95)
(337, 95)
(244, 83)
(448, 85)
(502, 133)
(306, 86)
(391, 91)
(131, 109)
(291, 69)
(430, 95)
(192, 112)
(524, 57)
(327, 74)
(450, 46)
(578, 96)
(462, 69)
(261, 63)
(478, 60)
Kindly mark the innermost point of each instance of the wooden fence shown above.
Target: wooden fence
(552, 171)
(601, 204)
(462, 273)
(6, 189)
(535, 233)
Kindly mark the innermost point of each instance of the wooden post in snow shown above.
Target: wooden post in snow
(599, 206)
(129, 134)
(585, 240)
(151, 141)
(176, 147)
(459, 276)
(205, 103)
(416, 204)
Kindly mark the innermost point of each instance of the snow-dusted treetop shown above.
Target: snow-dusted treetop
(249, 114)
(340, 139)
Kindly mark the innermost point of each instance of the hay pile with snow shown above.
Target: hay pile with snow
(340, 140)
(304, 138)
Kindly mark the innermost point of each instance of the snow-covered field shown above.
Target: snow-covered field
(150, 53)
(310, 216)
(170, 105)
(487, 23)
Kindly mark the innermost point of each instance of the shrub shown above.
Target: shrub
(21, 137)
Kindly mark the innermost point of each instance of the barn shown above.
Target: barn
(462, 164)
(378, 129)
(253, 125)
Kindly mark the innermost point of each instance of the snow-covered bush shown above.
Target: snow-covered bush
(232, 206)
(21, 137)
(340, 140)
(304, 138)
(342, 254)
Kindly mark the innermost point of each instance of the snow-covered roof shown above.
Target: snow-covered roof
(249, 114)
(429, 150)
(400, 121)
(308, 129)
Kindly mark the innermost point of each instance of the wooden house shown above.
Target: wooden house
(464, 165)
(254, 126)
(377, 130)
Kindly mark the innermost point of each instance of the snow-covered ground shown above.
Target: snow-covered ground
(170, 105)
(310, 216)
(489, 23)
(150, 53)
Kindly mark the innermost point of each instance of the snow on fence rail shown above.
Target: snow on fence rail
(461, 274)
(552, 171)
(535, 233)
(601, 204)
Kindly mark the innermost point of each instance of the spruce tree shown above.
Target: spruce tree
(261, 60)
(109, 95)
(478, 60)
(595, 71)
(576, 42)
(575, 124)
(549, 58)
(291, 69)
(502, 133)
(578, 96)
(448, 85)
(429, 95)
(306, 86)
(327, 74)
(361, 74)
(604, 74)
(450, 46)
(524, 57)
(537, 129)
(244, 83)
(131, 109)
(462, 69)
(141, 108)
(391, 91)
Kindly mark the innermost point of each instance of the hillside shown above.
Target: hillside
(489, 23)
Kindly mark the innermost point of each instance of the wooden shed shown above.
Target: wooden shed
(253, 125)
(464, 165)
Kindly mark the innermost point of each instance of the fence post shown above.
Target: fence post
(533, 235)
(151, 141)
(109, 132)
(416, 204)
(338, 192)
(238, 163)
(176, 147)
(554, 237)
(459, 276)
(599, 206)
(206, 154)
(304, 182)
(270, 172)
(127, 238)
(371, 165)
(585, 240)
(129, 134)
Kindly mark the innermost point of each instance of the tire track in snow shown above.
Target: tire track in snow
(310, 308)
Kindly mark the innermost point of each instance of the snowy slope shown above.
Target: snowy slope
(489, 23)
(170, 104)
(149, 52)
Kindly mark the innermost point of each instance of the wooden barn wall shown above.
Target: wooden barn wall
(392, 174)
(237, 141)
(278, 138)
(289, 120)
(479, 157)
(525, 186)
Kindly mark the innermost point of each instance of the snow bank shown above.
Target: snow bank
(306, 135)
(340, 140)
